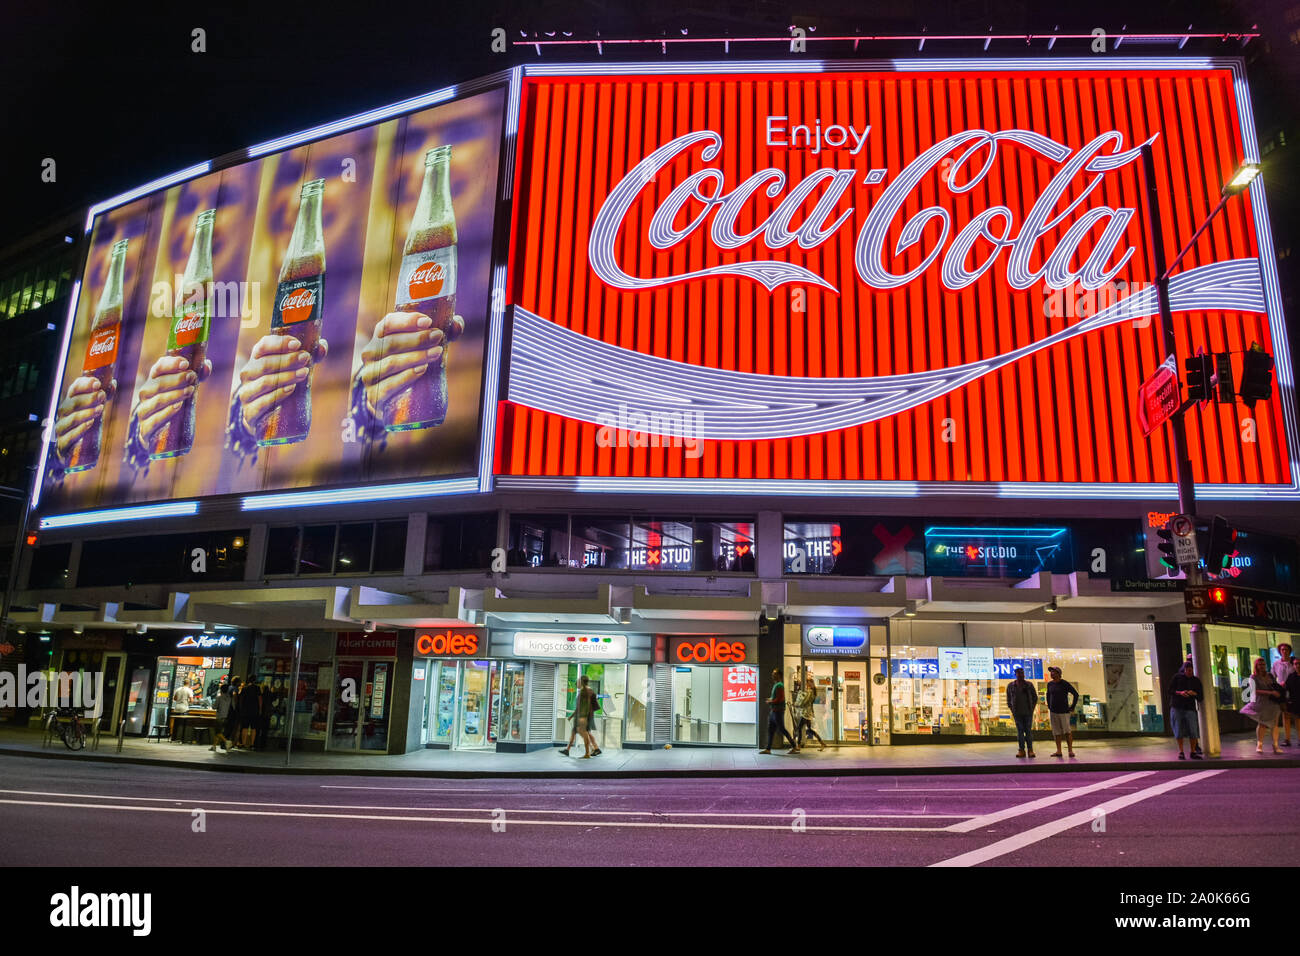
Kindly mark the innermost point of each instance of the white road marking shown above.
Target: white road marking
(203, 803)
(963, 789)
(1039, 833)
(998, 816)
(339, 786)
(591, 824)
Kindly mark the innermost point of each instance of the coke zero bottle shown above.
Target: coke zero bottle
(188, 338)
(426, 283)
(299, 303)
(101, 355)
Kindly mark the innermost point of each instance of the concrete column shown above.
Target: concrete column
(769, 542)
(417, 526)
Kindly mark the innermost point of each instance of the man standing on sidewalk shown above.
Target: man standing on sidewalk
(1022, 701)
(1282, 673)
(776, 715)
(1061, 698)
(1184, 691)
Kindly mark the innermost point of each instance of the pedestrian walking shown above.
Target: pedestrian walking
(776, 715)
(267, 707)
(1265, 705)
(224, 707)
(583, 709)
(1184, 691)
(1291, 700)
(250, 712)
(805, 702)
(1282, 671)
(1022, 701)
(232, 722)
(1061, 699)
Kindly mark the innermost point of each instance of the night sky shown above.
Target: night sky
(117, 98)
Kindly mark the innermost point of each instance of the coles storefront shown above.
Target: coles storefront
(510, 690)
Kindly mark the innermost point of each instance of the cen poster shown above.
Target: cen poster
(314, 317)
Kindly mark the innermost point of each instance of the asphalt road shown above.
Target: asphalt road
(63, 813)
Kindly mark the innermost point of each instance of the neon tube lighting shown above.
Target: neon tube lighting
(126, 197)
(338, 496)
(168, 509)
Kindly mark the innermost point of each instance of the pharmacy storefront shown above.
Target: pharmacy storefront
(949, 679)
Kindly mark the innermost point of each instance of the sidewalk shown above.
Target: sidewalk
(1137, 753)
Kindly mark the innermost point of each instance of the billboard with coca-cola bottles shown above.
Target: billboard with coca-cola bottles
(886, 277)
(315, 316)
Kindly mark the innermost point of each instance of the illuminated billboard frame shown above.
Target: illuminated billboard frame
(1271, 298)
(481, 480)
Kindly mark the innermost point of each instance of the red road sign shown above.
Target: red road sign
(1158, 396)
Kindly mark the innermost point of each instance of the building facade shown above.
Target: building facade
(670, 377)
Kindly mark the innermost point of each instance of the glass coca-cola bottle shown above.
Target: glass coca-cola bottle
(101, 356)
(298, 310)
(426, 283)
(188, 339)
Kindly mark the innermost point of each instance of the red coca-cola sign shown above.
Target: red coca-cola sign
(427, 280)
(936, 274)
(296, 306)
(102, 350)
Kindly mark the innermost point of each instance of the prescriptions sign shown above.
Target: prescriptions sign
(315, 316)
(933, 273)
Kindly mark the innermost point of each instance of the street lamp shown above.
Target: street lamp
(1245, 175)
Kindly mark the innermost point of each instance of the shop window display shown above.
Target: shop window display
(960, 688)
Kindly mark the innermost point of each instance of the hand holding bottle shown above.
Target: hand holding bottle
(80, 411)
(404, 347)
(276, 367)
(170, 384)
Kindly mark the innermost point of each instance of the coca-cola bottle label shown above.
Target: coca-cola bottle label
(192, 324)
(427, 275)
(298, 300)
(102, 350)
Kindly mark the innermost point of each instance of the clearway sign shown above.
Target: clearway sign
(1158, 397)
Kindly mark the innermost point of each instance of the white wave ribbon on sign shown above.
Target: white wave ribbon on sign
(554, 369)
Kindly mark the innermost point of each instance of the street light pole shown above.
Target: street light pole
(1199, 633)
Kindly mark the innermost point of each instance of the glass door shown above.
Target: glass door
(375, 705)
(852, 684)
(345, 720)
(825, 718)
(440, 713)
(474, 711)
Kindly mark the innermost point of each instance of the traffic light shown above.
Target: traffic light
(1166, 547)
(1222, 548)
(1200, 377)
(1223, 367)
(1256, 376)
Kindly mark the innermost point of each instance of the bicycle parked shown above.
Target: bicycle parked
(66, 724)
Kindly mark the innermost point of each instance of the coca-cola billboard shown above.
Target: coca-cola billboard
(247, 329)
(932, 277)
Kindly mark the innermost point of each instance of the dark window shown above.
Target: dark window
(317, 554)
(390, 547)
(282, 551)
(355, 541)
(599, 542)
(460, 542)
(50, 566)
(538, 541)
(164, 559)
